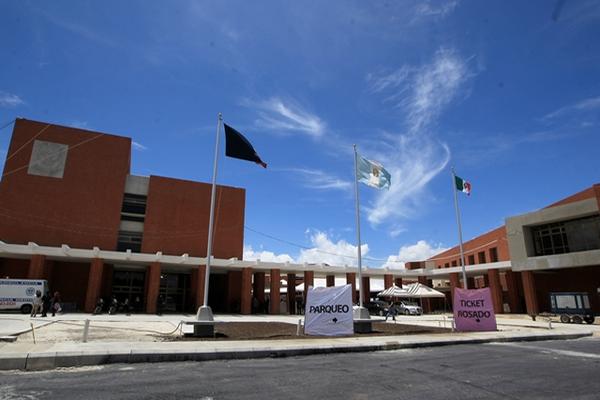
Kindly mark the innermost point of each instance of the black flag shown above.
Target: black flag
(237, 146)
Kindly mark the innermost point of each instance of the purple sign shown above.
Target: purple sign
(473, 310)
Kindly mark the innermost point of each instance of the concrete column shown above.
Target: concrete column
(330, 280)
(496, 290)
(454, 283)
(512, 286)
(366, 285)
(291, 294)
(275, 291)
(398, 282)
(388, 281)
(153, 276)
(258, 287)
(199, 277)
(425, 302)
(530, 292)
(246, 292)
(309, 280)
(36, 267)
(94, 285)
(351, 279)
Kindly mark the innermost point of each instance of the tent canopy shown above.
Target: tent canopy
(393, 291)
(414, 290)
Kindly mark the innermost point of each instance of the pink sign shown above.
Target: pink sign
(473, 310)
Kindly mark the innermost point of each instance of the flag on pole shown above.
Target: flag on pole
(237, 146)
(372, 174)
(462, 185)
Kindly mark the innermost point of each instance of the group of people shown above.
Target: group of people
(44, 303)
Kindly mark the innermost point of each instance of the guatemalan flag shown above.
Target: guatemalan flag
(372, 174)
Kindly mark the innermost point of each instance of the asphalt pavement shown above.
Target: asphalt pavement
(61, 341)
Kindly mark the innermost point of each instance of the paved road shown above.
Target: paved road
(534, 370)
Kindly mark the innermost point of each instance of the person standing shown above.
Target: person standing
(46, 300)
(391, 312)
(56, 303)
(37, 304)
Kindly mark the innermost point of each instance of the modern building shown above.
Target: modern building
(555, 249)
(72, 213)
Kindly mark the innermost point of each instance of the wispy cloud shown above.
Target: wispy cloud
(317, 179)
(78, 124)
(586, 105)
(414, 158)
(286, 117)
(138, 146)
(437, 9)
(416, 252)
(10, 100)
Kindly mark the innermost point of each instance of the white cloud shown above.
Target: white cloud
(416, 157)
(10, 100)
(419, 251)
(333, 253)
(317, 179)
(586, 105)
(266, 256)
(286, 116)
(78, 124)
(429, 9)
(138, 146)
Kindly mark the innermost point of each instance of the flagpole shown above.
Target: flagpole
(205, 312)
(360, 286)
(460, 240)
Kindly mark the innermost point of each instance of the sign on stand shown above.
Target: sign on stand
(329, 311)
(474, 310)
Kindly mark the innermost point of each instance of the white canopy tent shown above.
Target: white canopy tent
(393, 291)
(419, 291)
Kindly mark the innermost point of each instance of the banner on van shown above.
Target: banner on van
(329, 311)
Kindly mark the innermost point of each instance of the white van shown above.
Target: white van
(18, 294)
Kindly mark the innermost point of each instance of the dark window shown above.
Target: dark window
(446, 265)
(134, 207)
(130, 240)
(471, 259)
(493, 254)
(481, 256)
(567, 236)
(454, 263)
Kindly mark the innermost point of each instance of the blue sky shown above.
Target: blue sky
(507, 92)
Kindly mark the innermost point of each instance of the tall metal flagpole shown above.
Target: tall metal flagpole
(205, 312)
(460, 241)
(360, 286)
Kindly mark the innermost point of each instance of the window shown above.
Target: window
(446, 265)
(567, 236)
(481, 256)
(471, 260)
(134, 207)
(454, 263)
(130, 240)
(493, 254)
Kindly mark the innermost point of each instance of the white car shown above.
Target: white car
(407, 308)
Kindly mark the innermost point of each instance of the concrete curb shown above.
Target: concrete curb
(38, 361)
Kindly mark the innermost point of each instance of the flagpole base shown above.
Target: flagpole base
(204, 314)
(360, 313)
(204, 326)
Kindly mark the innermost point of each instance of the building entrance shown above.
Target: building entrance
(130, 285)
(175, 290)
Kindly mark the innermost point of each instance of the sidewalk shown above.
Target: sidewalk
(141, 338)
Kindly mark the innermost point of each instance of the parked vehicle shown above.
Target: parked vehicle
(408, 308)
(572, 307)
(18, 294)
(377, 307)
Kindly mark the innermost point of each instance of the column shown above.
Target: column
(94, 285)
(454, 283)
(496, 290)
(425, 302)
(366, 284)
(388, 281)
(258, 290)
(153, 276)
(530, 293)
(36, 267)
(351, 279)
(291, 294)
(309, 280)
(330, 280)
(275, 291)
(246, 292)
(512, 285)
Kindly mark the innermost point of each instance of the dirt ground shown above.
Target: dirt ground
(281, 330)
